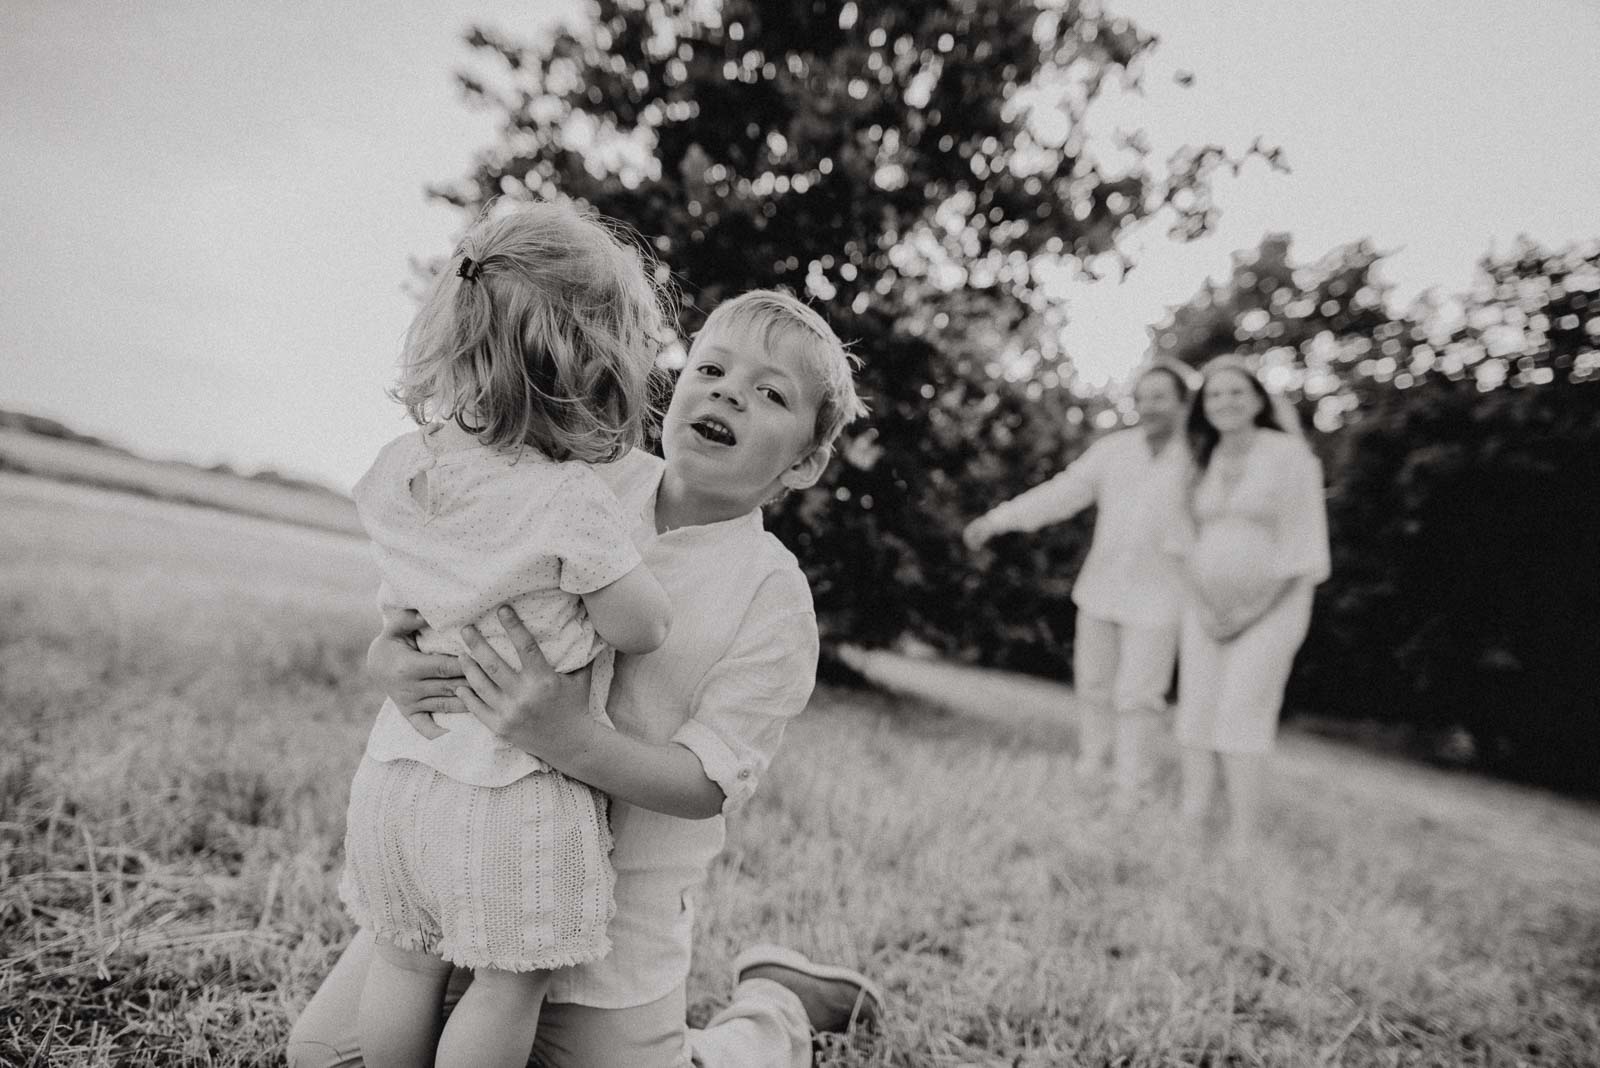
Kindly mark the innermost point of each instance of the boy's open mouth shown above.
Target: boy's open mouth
(713, 430)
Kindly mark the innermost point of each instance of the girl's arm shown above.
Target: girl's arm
(545, 714)
(632, 614)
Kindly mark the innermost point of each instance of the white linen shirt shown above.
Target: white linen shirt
(1126, 578)
(457, 529)
(738, 664)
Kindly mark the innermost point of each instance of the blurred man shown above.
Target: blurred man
(1128, 592)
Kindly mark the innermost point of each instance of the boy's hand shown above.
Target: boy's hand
(419, 684)
(539, 711)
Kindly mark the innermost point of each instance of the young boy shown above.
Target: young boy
(766, 390)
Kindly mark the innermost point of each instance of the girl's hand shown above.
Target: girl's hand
(419, 684)
(541, 712)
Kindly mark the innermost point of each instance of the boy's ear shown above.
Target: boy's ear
(804, 472)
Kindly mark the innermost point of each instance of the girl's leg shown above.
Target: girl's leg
(495, 1021)
(401, 1006)
(1198, 772)
(1242, 772)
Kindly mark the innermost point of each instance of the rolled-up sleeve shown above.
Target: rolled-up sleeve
(1303, 520)
(739, 711)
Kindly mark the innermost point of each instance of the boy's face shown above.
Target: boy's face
(742, 418)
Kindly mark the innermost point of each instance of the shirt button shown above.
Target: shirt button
(744, 773)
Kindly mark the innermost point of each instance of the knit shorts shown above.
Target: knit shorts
(510, 877)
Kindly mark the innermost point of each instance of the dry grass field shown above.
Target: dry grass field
(182, 702)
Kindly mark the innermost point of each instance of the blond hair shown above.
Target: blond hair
(541, 332)
(773, 316)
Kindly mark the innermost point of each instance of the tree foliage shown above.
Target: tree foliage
(916, 169)
(1463, 449)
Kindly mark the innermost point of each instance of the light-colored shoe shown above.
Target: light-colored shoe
(835, 998)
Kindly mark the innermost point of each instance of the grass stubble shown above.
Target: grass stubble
(183, 700)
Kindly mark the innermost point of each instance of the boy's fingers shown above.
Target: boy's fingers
(522, 638)
(476, 706)
(402, 622)
(437, 666)
(442, 686)
(477, 679)
(423, 724)
(445, 702)
(491, 662)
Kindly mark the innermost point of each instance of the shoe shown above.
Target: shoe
(835, 998)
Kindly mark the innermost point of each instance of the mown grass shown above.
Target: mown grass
(182, 702)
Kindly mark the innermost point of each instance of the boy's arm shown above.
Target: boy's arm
(716, 757)
(744, 703)
(547, 715)
(632, 614)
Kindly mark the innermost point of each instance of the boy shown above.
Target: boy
(766, 390)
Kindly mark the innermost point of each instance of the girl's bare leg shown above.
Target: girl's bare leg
(495, 1021)
(401, 1003)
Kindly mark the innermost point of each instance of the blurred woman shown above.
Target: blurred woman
(1127, 593)
(1253, 541)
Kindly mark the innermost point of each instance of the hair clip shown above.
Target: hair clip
(470, 269)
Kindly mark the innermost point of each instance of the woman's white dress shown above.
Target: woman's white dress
(1268, 527)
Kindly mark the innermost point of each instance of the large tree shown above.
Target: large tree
(918, 169)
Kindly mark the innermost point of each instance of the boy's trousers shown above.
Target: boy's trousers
(763, 1027)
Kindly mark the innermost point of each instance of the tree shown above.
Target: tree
(903, 166)
(1465, 506)
(1322, 332)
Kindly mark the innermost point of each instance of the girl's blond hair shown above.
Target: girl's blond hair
(542, 331)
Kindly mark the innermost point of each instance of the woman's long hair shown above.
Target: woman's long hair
(1202, 435)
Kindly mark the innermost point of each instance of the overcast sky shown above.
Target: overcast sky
(210, 206)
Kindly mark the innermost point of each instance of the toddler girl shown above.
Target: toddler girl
(529, 360)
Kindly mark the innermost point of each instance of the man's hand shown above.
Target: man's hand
(419, 684)
(534, 708)
(978, 532)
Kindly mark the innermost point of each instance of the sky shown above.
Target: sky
(211, 205)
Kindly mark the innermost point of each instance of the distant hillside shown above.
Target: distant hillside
(35, 445)
(49, 428)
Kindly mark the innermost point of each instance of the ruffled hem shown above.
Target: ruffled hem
(542, 963)
(417, 942)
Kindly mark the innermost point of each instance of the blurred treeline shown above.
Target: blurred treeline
(921, 172)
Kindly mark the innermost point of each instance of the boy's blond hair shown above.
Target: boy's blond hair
(772, 315)
(542, 331)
